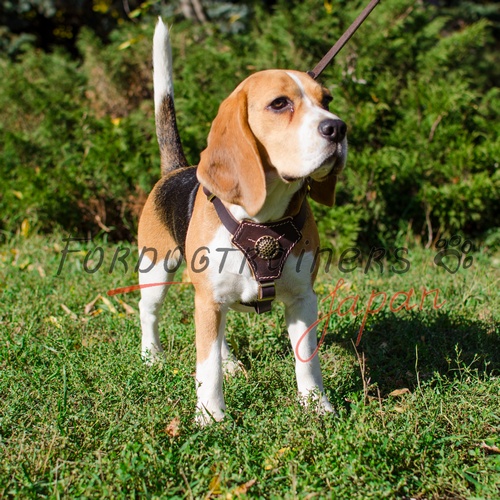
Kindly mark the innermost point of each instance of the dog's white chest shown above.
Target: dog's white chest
(233, 282)
(229, 273)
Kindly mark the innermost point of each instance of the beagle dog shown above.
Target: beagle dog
(272, 142)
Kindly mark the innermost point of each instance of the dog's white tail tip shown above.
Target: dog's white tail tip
(162, 63)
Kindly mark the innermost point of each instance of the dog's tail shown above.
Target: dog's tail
(172, 155)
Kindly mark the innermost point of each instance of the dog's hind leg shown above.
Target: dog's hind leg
(153, 291)
(230, 364)
(158, 260)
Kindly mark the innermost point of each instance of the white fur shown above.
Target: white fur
(209, 377)
(278, 196)
(230, 276)
(300, 315)
(162, 64)
(151, 302)
(315, 150)
(233, 283)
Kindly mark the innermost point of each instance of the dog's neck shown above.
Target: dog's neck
(279, 202)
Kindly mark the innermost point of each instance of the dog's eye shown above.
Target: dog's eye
(280, 104)
(327, 99)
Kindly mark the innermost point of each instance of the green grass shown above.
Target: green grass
(82, 416)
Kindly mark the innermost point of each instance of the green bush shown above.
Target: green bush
(63, 163)
(78, 147)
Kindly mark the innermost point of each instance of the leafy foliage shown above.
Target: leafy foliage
(78, 146)
(62, 164)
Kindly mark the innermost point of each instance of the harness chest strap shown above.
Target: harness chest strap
(265, 246)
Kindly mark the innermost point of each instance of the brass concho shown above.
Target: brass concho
(267, 247)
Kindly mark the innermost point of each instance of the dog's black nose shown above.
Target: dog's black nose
(333, 130)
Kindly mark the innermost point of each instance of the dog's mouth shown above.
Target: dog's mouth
(335, 170)
(332, 165)
(328, 167)
(289, 179)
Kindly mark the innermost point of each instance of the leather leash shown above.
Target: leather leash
(318, 69)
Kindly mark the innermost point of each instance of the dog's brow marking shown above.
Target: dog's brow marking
(297, 81)
(303, 93)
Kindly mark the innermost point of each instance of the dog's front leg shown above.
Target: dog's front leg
(210, 322)
(301, 315)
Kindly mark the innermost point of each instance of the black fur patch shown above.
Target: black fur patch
(174, 202)
(172, 155)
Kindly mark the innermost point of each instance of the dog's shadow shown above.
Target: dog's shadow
(400, 352)
(395, 352)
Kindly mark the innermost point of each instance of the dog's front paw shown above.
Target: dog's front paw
(151, 354)
(231, 367)
(324, 406)
(205, 416)
(317, 402)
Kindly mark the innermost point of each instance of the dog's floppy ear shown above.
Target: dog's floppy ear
(324, 192)
(230, 167)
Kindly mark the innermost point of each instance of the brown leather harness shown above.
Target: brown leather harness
(266, 246)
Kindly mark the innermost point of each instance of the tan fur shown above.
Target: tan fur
(231, 167)
(152, 231)
(269, 128)
(309, 242)
(207, 318)
(246, 140)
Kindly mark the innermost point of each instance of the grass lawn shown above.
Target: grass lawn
(418, 400)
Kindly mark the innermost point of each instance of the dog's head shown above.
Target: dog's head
(275, 124)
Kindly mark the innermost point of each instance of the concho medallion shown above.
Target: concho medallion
(267, 247)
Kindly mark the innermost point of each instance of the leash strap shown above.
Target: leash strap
(342, 40)
(266, 246)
